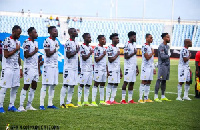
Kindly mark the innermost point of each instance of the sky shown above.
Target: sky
(154, 9)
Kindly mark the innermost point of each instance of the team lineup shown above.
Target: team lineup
(106, 69)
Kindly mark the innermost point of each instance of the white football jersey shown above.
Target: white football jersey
(71, 63)
(148, 63)
(53, 59)
(115, 65)
(12, 61)
(132, 62)
(184, 53)
(30, 46)
(85, 65)
(101, 65)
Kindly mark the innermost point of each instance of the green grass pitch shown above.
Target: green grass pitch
(165, 115)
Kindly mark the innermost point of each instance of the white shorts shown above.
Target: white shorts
(70, 77)
(86, 78)
(50, 75)
(30, 74)
(100, 76)
(10, 78)
(146, 73)
(114, 77)
(183, 74)
(130, 75)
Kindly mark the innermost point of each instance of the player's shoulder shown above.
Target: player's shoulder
(184, 49)
(126, 45)
(46, 40)
(110, 47)
(82, 46)
(161, 45)
(145, 46)
(26, 41)
(96, 48)
(7, 39)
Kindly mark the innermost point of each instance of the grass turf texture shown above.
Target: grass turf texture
(165, 115)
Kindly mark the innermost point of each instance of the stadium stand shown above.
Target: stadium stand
(181, 32)
(108, 27)
(7, 22)
(196, 41)
(105, 27)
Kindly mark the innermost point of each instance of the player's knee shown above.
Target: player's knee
(188, 83)
(26, 86)
(163, 81)
(181, 83)
(102, 84)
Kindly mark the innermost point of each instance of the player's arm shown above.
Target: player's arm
(27, 54)
(107, 71)
(197, 68)
(110, 58)
(85, 57)
(148, 56)
(137, 70)
(19, 62)
(98, 58)
(7, 53)
(185, 59)
(49, 53)
(70, 53)
(163, 56)
(47, 49)
(39, 72)
(128, 56)
(121, 75)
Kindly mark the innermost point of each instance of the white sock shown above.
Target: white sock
(22, 96)
(145, 92)
(155, 96)
(179, 90)
(86, 93)
(70, 94)
(130, 95)
(94, 93)
(79, 93)
(187, 88)
(141, 91)
(13, 93)
(101, 92)
(163, 96)
(63, 94)
(148, 90)
(108, 92)
(123, 94)
(113, 94)
(43, 94)
(2, 96)
(30, 96)
(51, 95)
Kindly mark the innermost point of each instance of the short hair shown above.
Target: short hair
(16, 27)
(113, 35)
(164, 34)
(100, 36)
(70, 29)
(85, 34)
(30, 29)
(148, 34)
(131, 33)
(50, 28)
